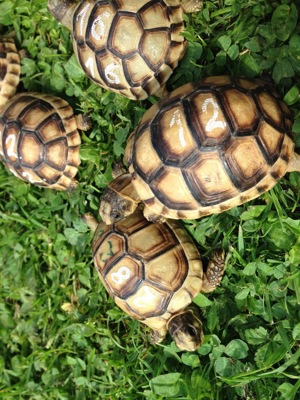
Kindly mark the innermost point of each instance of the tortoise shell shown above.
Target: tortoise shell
(39, 141)
(9, 70)
(129, 47)
(210, 146)
(151, 270)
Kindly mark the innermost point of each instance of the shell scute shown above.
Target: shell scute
(149, 301)
(172, 139)
(269, 107)
(171, 268)
(154, 47)
(158, 240)
(56, 154)
(110, 248)
(241, 108)
(125, 276)
(207, 120)
(98, 27)
(246, 172)
(30, 150)
(208, 180)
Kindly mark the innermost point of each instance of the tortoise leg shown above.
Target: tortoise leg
(153, 217)
(191, 6)
(83, 122)
(157, 336)
(214, 272)
(294, 164)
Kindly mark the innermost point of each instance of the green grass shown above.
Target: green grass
(61, 337)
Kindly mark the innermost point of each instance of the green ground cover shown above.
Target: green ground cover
(61, 337)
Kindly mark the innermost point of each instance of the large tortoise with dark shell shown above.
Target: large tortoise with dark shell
(203, 149)
(153, 271)
(128, 47)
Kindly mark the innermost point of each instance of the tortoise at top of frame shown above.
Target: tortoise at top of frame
(128, 47)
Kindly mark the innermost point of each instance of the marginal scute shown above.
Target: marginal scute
(269, 106)
(271, 140)
(147, 165)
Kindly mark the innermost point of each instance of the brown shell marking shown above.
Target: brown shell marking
(9, 70)
(128, 47)
(151, 270)
(210, 146)
(39, 141)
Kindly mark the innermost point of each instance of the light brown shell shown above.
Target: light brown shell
(151, 270)
(9, 70)
(210, 146)
(129, 47)
(39, 141)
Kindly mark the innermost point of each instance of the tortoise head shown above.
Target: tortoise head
(186, 329)
(63, 10)
(119, 200)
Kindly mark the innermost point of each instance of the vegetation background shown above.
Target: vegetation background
(61, 337)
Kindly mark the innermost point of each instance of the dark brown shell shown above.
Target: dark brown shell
(151, 270)
(129, 47)
(210, 146)
(9, 70)
(39, 141)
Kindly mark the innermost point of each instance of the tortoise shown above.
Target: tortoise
(128, 47)
(39, 140)
(205, 148)
(10, 69)
(153, 271)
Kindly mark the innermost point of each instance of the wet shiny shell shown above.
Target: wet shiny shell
(151, 270)
(9, 70)
(210, 146)
(39, 141)
(129, 47)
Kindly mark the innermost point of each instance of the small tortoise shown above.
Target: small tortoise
(9, 70)
(153, 271)
(205, 148)
(39, 140)
(128, 47)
